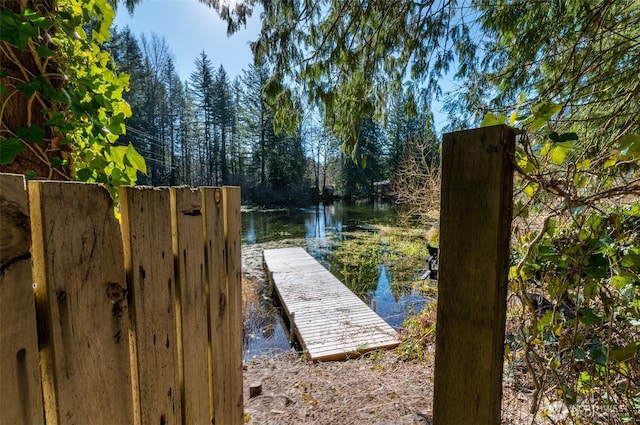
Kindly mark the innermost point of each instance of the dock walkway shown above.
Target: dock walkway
(330, 322)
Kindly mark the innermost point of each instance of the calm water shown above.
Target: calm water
(320, 229)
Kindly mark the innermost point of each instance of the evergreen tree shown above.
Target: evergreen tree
(201, 83)
(286, 162)
(404, 131)
(237, 147)
(224, 120)
(256, 120)
(174, 103)
(366, 165)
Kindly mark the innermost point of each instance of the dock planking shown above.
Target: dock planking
(330, 321)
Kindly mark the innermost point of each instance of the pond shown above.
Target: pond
(322, 230)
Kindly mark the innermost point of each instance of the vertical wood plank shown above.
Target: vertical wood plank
(213, 209)
(188, 249)
(81, 292)
(475, 221)
(20, 394)
(148, 253)
(231, 199)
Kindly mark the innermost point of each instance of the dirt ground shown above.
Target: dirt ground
(378, 388)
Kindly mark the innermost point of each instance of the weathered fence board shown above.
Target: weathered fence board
(222, 241)
(20, 395)
(213, 209)
(80, 291)
(188, 250)
(475, 220)
(232, 231)
(150, 269)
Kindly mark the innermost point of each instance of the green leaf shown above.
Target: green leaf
(580, 353)
(98, 163)
(588, 316)
(116, 124)
(531, 189)
(56, 162)
(630, 146)
(583, 165)
(554, 137)
(513, 118)
(491, 119)
(620, 282)
(9, 149)
(630, 141)
(546, 148)
(28, 89)
(84, 174)
(633, 211)
(598, 353)
(577, 209)
(33, 134)
(621, 354)
(564, 137)
(117, 154)
(135, 159)
(537, 123)
(558, 152)
(631, 260)
(44, 52)
(546, 109)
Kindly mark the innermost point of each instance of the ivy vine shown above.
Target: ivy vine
(56, 67)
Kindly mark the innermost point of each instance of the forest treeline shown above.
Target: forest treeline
(212, 129)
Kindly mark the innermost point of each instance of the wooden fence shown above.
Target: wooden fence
(109, 323)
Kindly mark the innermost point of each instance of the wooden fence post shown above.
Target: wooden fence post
(475, 224)
(20, 390)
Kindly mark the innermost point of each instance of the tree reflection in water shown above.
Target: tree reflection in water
(342, 237)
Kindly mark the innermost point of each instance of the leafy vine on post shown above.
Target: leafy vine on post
(61, 101)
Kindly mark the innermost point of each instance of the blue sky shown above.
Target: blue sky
(189, 27)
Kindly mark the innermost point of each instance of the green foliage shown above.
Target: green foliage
(79, 89)
(364, 164)
(418, 335)
(349, 57)
(9, 149)
(588, 337)
(582, 258)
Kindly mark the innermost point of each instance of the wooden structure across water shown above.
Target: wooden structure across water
(329, 321)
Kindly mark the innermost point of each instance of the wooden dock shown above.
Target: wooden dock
(329, 321)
